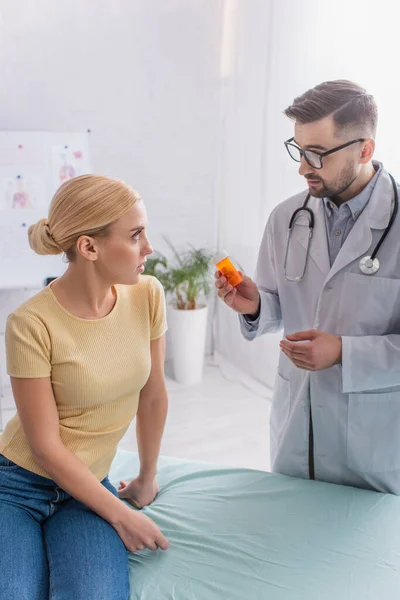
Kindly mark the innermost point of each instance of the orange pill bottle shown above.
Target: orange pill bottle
(227, 268)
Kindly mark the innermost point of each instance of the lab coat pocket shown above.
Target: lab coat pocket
(368, 305)
(279, 411)
(373, 432)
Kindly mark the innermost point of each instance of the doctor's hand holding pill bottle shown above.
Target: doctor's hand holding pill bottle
(237, 290)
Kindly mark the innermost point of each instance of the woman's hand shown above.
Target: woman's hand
(139, 492)
(136, 530)
(139, 532)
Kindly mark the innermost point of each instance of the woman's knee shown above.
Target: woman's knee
(108, 584)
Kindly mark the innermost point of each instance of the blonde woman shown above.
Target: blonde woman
(85, 355)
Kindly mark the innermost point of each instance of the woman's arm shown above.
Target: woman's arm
(152, 412)
(151, 416)
(39, 418)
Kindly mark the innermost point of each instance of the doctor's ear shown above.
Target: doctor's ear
(367, 151)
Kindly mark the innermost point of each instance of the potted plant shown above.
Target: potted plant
(186, 281)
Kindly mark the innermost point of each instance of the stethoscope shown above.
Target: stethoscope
(369, 265)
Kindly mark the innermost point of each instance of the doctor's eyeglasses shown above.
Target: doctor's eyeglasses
(314, 158)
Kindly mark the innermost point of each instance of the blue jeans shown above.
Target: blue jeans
(52, 546)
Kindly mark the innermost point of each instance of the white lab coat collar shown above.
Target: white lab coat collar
(380, 206)
(376, 215)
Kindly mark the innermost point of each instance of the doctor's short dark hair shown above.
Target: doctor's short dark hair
(349, 104)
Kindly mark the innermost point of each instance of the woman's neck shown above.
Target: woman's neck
(82, 293)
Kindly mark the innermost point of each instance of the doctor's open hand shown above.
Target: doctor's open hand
(319, 351)
(244, 298)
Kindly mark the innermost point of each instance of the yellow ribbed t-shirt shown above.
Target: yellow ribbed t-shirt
(97, 369)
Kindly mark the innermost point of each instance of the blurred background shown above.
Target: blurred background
(184, 100)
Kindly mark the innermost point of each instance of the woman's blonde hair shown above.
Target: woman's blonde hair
(85, 205)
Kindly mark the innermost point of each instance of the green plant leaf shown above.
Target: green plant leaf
(187, 278)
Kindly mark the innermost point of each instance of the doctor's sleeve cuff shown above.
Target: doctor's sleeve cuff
(269, 319)
(370, 363)
(249, 327)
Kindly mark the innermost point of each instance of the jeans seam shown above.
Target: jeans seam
(51, 577)
(9, 467)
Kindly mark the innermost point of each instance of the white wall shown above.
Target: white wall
(240, 183)
(314, 41)
(143, 75)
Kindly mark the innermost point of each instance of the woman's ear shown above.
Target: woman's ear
(87, 247)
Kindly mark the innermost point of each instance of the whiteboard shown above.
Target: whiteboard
(33, 165)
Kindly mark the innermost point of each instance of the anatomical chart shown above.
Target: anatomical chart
(67, 162)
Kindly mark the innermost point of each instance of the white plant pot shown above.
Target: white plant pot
(187, 329)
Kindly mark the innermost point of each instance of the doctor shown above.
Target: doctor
(336, 407)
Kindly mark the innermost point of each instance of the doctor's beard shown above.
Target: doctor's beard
(331, 189)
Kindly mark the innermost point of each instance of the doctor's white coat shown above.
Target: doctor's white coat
(354, 407)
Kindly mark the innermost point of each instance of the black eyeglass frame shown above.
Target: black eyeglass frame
(320, 155)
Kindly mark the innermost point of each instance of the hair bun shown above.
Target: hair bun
(41, 240)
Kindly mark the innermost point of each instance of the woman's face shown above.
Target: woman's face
(122, 254)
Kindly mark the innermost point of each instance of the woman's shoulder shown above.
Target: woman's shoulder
(33, 309)
(27, 329)
(147, 297)
(147, 286)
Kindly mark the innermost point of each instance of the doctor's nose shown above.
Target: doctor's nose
(304, 168)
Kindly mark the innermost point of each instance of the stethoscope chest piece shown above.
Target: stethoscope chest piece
(369, 266)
